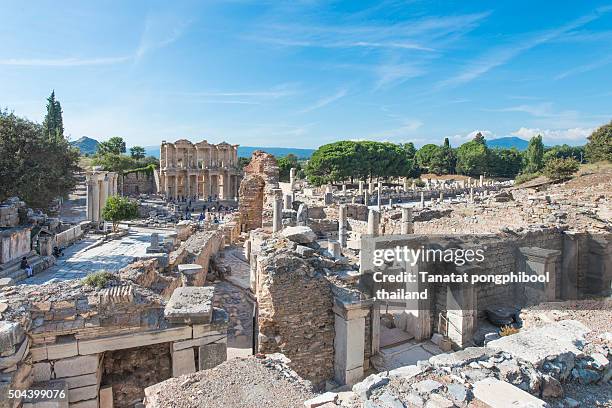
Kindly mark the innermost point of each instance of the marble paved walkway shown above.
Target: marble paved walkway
(79, 261)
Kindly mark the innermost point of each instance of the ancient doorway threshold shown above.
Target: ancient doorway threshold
(407, 353)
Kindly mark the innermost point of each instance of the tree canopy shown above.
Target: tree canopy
(36, 164)
(599, 146)
(53, 123)
(285, 164)
(137, 152)
(114, 145)
(119, 209)
(473, 157)
(534, 155)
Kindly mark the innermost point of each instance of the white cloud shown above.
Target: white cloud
(555, 135)
(391, 74)
(401, 133)
(159, 32)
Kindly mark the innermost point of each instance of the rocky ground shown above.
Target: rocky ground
(238, 383)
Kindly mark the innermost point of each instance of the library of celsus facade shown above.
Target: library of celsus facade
(189, 170)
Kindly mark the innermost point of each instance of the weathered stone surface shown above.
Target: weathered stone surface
(457, 392)
(256, 191)
(304, 251)
(369, 384)
(11, 334)
(438, 401)
(538, 344)
(300, 234)
(462, 357)
(406, 371)
(211, 355)
(71, 367)
(500, 394)
(321, 400)
(428, 386)
(183, 362)
(190, 304)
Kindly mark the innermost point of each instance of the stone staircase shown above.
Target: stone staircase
(13, 270)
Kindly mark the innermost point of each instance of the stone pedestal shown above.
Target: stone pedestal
(461, 310)
(189, 273)
(349, 342)
(541, 262)
(183, 362)
(569, 266)
(288, 201)
(334, 249)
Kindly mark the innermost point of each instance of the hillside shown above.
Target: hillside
(508, 143)
(86, 145)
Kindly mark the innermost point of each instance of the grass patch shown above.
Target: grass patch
(507, 331)
(523, 178)
(99, 279)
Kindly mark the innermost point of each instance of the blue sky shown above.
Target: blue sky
(305, 73)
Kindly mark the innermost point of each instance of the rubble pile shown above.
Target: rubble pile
(531, 367)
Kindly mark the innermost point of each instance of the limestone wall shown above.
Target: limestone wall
(198, 249)
(14, 243)
(140, 182)
(68, 237)
(295, 315)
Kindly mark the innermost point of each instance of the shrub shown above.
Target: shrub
(523, 178)
(99, 279)
(561, 169)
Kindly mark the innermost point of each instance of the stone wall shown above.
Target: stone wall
(139, 182)
(68, 237)
(198, 249)
(14, 243)
(258, 191)
(295, 314)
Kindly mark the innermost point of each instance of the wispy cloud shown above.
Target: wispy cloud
(393, 74)
(63, 62)
(502, 55)
(159, 32)
(405, 130)
(341, 93)
(584, 68)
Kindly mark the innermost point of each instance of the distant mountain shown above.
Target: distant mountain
(508, 143)
(247, 151)
(86, 145)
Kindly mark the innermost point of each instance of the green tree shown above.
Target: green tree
(119, 209)
(34, 166)
(505, 162)
(560, 169)
(479, 138)
(563, 152)
(53, 123)
(137, 152)
(114, 145)
(285, 164)
(118, 163)
(243, 162)
(473, 158)
(426, 155)
(534, 155)
(599, 146)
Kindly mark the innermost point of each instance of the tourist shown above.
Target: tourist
(26, 266)
(57, 252)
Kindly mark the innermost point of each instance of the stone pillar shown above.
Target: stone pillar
(540, 262)
(371, 187)
(343, 189)
(481, 183)
(360, 187)
(569, 266)
(379, 198)
(287, 203)
(349, 342)
(414, 187)
(373, 223)
(187, 188)
(277, 215)
(422, 199)
(406, 185)
(461, 309)
(366, 198)
(189, 273)
(342, 225)
(175, 186)
(471, 194)
(292, 173)
(334, 249)
(407, 227)
(441, 197)
(197, 185)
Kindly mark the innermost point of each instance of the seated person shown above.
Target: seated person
(25, 265)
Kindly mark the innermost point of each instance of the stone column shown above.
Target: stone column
(175, 186)
(349, 341)
(414, 187)
(103, 190)
(407, 227)
(371, 187)
(471, 194)
(540, 262)
(197, 184)
(277, 217)
(187, 183)
(292, 173)
(422, 199)
(379, 198)
(288, 201)
(373, 223)
(481, 183)
(366, 197)
(406, 185)
(342, 225)
(91, 196)
(461, 310)
(328, 198)
(343, 189)
(441, 197)
(360, 187)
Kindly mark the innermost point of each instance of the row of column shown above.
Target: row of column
(224, 186)
(100, 186)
